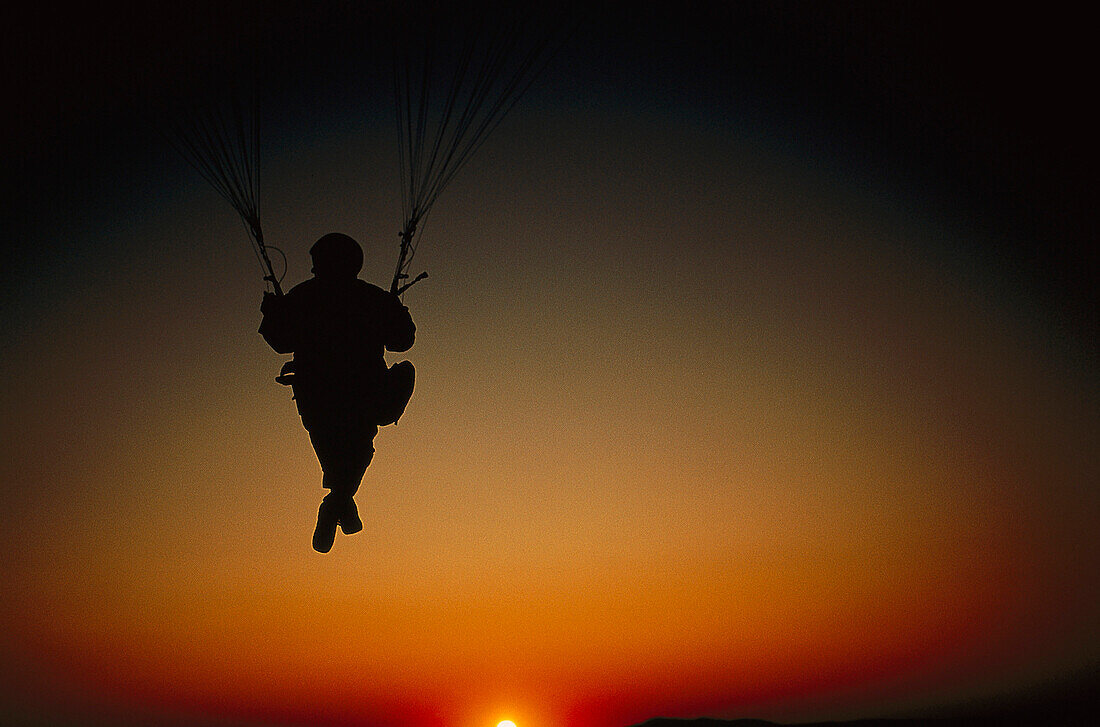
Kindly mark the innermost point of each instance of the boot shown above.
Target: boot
(325, 533)
(349, 519)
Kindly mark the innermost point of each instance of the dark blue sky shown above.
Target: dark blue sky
(984, 115)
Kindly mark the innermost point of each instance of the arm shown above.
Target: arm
(278, 327)
(402, 331)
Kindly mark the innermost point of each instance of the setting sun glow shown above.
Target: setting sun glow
(506, 723)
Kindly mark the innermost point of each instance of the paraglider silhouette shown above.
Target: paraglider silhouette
(453, 84)
(338, 327)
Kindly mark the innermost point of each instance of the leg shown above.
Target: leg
(344, 453)
(363, 444)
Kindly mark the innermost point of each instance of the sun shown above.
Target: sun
(506, 723)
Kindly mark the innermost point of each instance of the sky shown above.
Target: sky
(756, 377)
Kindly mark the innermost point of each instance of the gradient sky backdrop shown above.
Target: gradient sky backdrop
(757, 377)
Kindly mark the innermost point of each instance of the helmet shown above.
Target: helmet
(336, 255)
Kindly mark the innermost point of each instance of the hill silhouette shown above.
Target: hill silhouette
(982, 721)
(1069, 701)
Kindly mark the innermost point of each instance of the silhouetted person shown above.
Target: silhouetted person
(338, 326)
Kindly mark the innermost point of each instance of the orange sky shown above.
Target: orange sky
(769, 479)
